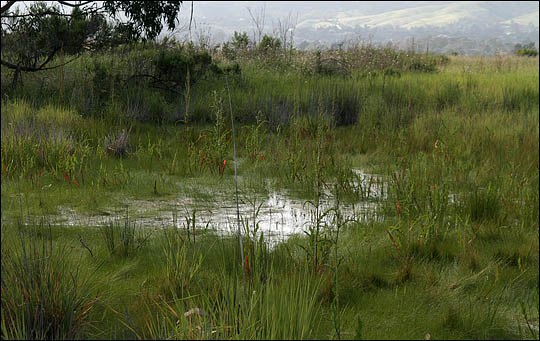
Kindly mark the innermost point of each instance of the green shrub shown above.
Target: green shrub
(269, 44)
(173, 65)
(527, 53)
(345, 108)
(240, 43)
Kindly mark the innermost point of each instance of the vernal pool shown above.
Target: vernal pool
(277, 214)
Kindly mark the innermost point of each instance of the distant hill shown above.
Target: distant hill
(321, 24)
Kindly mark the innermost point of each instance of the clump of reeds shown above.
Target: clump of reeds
(483, 204)
(123, 238)
(43, 295)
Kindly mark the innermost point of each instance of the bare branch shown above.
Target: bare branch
(286, 30)
(191, 17)
(49, 57)
(258, 20)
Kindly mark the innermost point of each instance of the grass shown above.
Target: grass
(44, 294)
(451, 250)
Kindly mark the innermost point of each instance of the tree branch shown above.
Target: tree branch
(35, 69)
(48, 12)
(75, 5)
(7, 6)
(49, 57)
(191, 17)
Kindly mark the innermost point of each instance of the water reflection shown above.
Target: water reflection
(277, 214)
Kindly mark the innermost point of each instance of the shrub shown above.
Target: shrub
(331, 65)
(172, 66)
(238, 44)
(269, 44)
(447, 94)
(527, 53)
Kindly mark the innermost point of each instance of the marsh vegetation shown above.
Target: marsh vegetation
(416, 178)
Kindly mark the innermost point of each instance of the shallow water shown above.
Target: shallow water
(277, 214)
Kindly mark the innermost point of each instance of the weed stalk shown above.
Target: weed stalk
(236, 180)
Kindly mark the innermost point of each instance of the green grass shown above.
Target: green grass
(452, 249)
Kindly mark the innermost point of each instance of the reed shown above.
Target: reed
(44, 295)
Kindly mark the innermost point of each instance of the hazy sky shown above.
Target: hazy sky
(219, 19)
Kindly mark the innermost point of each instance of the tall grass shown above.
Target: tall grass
(277, 307)
(44, 295)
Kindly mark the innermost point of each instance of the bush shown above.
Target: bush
(331, 66)
(172, 66)
(239, 43)
(527, 53)
(344, 108)
(269, 44)
(447, 94)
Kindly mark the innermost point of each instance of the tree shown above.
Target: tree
(258, 20)
(31, 40)
(286, 30)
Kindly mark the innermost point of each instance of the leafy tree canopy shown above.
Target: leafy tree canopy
(30, 40)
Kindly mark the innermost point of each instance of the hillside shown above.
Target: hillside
(321, 24)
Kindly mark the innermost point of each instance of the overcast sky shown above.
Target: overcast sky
(219, 19)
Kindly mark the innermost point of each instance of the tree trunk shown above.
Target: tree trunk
(16, 76)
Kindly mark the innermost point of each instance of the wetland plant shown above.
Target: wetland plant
(124, 237)
(44, 295)
(117, 144)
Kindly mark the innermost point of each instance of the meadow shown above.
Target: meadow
(108, 162)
